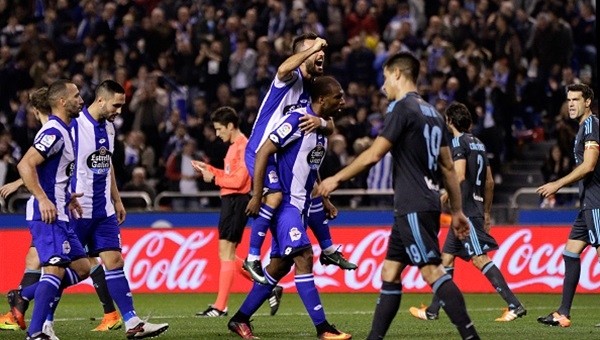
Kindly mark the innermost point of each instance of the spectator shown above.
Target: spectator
(242, 65)
(556, 165)
(360, 22)
(138, 182)
(183, 178)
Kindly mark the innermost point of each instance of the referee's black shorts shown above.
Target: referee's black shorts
(233, 217)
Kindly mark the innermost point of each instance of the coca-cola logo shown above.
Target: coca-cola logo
(524, 263)
(146, 262)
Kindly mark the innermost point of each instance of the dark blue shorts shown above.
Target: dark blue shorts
(587, 227)
(414, 239)
(271, 182)
(56, 243)
(289, 232)
(477, 243)
(98, 234)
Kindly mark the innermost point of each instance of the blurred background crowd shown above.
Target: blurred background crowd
(508, 61)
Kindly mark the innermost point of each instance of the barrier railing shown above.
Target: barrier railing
(137, 195)
(514, 199)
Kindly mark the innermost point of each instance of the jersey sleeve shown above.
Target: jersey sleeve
(49, 142)
(279, 84)
(287, 130)
(393, 124)
(459, 148)
(591, 136)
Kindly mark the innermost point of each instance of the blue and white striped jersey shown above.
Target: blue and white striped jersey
(298, 159)
(281, 98)
(94, 146)
(54, 143)
(380, 175)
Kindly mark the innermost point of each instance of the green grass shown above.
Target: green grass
(349, 312)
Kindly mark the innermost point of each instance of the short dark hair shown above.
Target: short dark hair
(459, 116)
(109, 86)
(39, 100)
(323, 86)
(586, 91)
(225, 115)
(56, 90)
(404, 61)
(299, 40)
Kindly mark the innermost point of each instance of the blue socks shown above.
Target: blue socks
(305, 284)
(259, 229)
(318, 223)
(120, 292)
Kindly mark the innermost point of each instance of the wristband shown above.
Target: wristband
(323, 123)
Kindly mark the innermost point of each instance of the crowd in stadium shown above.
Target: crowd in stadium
(178, 60)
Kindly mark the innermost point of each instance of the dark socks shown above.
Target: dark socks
(572, 272)
(453, 303)
(386, 309)
(99, 278)
(497, 280)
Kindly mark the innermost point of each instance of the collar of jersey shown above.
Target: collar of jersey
(87, 114)
(60, 121)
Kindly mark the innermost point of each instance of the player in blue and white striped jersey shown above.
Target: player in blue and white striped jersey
(103, 211)
(288, 91)
(299, 156)
(46, 169)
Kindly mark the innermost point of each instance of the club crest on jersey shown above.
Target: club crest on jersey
(66, 247)
(315, 157)
(99, 161)
(295, 234)
(273, 178)
(284, 130)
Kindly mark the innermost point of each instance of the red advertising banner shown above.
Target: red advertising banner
(186, 260)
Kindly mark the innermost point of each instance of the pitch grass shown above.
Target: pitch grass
(349, 312)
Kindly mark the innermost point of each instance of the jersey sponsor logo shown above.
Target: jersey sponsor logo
(295, 234)
(284, 130)
(273, 178)
(430, 184)
(70, 169)
(66, 247)
(99, 161)
(315, 157)
(289, 108)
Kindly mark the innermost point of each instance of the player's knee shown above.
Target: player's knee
(304, 261)
(480, 261)
(273, 200)
(82, 268)
(32, 262)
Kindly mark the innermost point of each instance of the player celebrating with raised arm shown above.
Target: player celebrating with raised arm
(288, 90)
(587, 171)
(477, 189)
(299, 156)
(103, 211)
(416, 135)
(46, 169)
